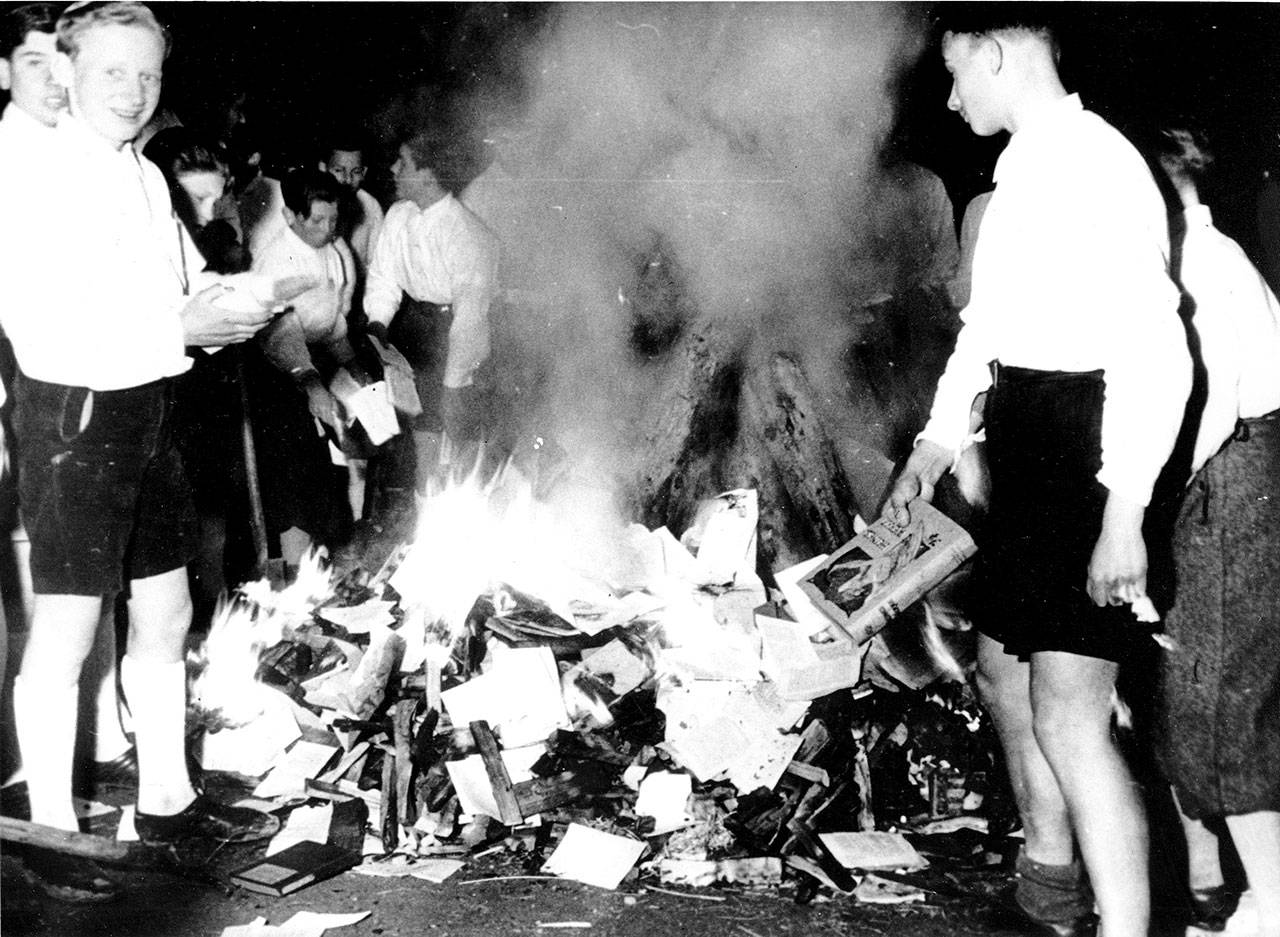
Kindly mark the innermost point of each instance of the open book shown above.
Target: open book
(867, 582)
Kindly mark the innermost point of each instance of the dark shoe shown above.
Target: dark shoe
(1212, 908)
(121, 771)
(1010, 915)
(68, 878)
(204, 818)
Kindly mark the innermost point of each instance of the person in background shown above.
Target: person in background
(28, 47)
(360, 217)
(431, 281)
(1072, 329)
(100, 485)
(306, 345)
(1218, 722)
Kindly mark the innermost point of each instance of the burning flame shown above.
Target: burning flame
(225, 689)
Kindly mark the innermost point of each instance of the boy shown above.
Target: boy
(99, 313)
(345, 163)
(307, 245)
(440, 256)
(1072, 302)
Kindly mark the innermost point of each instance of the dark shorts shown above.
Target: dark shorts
(107, 502)
(1044, 448)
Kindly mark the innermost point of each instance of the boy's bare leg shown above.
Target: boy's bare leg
(1004, 683)
(1071, 702)
(1257, 840)
(109, 741)
(1204, 863)
(46, 700)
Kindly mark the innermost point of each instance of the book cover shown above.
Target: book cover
(300, 865)
(869, 581)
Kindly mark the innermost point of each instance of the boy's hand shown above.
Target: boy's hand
(204, 323)
(927, 463)
(324, 406)
(1118, 567)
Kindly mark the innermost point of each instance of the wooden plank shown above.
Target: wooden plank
(63, 841)
(509, 810)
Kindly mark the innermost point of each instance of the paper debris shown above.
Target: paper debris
(873, 850)
(300, 764)
(302, 924)
(252, 749)
(310, 824)
(358, 619)
(519, 696)
(876, 890)
(808, 616)
(663, 796)
(593, 857)
(471, 781)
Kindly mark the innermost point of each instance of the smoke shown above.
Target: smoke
(670, 163)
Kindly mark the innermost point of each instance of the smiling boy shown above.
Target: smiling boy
(95, 277)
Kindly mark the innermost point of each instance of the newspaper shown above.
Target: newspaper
(869, 581)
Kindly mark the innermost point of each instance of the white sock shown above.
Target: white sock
(45, 717)
(157, 698)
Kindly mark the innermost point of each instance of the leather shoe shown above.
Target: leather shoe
(68, 878)
(205, 818)
(1213, 907)
(1009, 914)
(121, 771)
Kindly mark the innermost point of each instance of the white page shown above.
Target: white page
(594, 857)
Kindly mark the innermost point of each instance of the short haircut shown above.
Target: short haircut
(25, 18)
(442, 155)
(79, 18)
(301, 187)
(1185, 147)
(347, 141)
(984, 19)
(180, 150)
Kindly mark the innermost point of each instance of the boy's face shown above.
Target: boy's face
(347, 166)
(28, 77)
(319, 228)
(203, 189)
(115, 80)
(411, 180)
(973, 65)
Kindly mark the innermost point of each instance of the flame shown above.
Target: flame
(931, 640)
(255, 618)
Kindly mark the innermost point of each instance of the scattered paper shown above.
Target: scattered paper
(302, 924)
(764, 762)
(519, 696)
(358, 619)
(252, 749)
(471, 781)
(811, 619)
(300, 764)
(876, 890)
(309, 824)
(873, 850)
(593, 857)
(663, 796)
(437, 870)
(725, 533)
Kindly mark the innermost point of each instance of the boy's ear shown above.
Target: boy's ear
(63, 69)
(323, 166)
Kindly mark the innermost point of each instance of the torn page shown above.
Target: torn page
(594, 857)
(299, 765)
(873, 850)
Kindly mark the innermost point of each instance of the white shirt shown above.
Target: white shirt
(1070, 274)
(261, 210)
(365, 233)
(319, 314)
(442, 254)
(92, 278)
(21, 134)
(1237, 321)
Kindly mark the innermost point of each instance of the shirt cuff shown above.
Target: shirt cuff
(1132, 489)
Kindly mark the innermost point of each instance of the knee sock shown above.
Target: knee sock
(46, 724)
(1056, 894)
(157, 697)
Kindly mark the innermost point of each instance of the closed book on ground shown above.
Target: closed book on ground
(869, 581)
(300, 865)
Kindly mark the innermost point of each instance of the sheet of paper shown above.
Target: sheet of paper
(873, 850)
(300, 764)
(372, 406)
(358, 619)
(593, 857)
(253, 929)
(663, 796)
(763, 762)
(309, 824)
(252, 749)
(519, 696)
(471, 781)
(314, 919)
(402, 390)
(728, 540)
(437, 870)
(810, 618)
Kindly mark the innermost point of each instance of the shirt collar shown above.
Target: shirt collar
(82, 135)
(21, 121)
(435, 209)
(1040, 121)
(1198, 216)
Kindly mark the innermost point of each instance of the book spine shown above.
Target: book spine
(925, 574)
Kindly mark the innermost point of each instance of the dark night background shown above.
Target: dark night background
(307, 66)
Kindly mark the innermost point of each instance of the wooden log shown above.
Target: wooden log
(63, 841)
(542, 794)
(406, 806)
(503, 792)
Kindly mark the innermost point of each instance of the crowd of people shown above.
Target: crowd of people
(181, 323)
